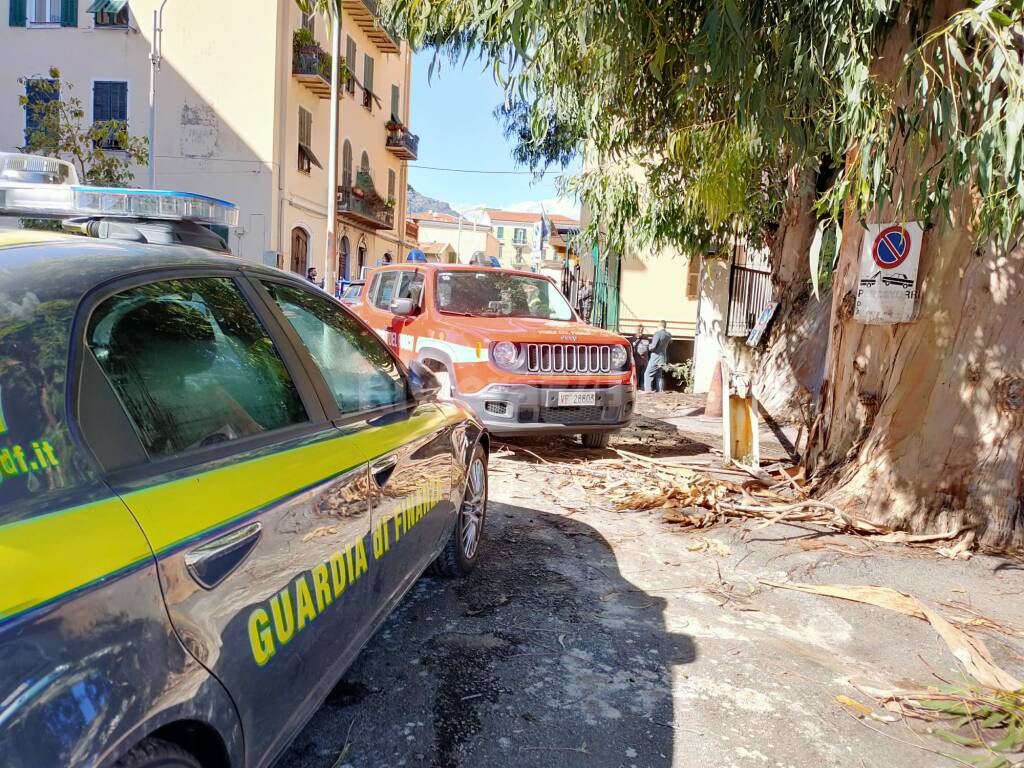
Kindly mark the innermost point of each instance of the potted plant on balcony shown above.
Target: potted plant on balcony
(394, 125)
(307, 55)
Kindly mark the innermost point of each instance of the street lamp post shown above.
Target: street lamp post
(331, 258)
(155, 54)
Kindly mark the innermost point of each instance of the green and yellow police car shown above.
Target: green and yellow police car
(215, 484)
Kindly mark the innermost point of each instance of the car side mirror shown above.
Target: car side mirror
(403, 307)
(422, 381)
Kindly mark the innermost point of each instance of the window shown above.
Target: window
(192, 364)
(359, 371)
(489, 293)
(501, 233)
(368, 81)
(309, 22)
(44, 11)
(346, 165)
(38, 93)
(410, 287)
(383, 290)
(693, 278)
(391, 184)
(110, 103)
(396, 110)
(109, 13)
(306, 157)
(350, 60)
(519, 235)
(364, 163)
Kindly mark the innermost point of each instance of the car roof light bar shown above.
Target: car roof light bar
(33, 186)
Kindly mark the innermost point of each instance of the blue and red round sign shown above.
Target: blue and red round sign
(892, 246)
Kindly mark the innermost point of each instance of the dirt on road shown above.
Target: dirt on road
(590, 637)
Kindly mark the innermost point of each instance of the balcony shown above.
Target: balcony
(401, 142)
(311, 66)
(364, 14)
(360, 204)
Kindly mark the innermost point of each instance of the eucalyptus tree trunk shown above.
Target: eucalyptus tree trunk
(921, 424)
(788, 369)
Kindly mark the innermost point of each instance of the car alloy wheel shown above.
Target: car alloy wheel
(471, 517)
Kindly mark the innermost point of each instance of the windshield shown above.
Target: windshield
(489, 293)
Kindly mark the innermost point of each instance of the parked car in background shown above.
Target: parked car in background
(508, 344)
(352, 293)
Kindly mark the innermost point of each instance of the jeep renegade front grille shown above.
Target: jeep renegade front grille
(569, 358)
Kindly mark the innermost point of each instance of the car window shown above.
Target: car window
(410, 287)
(384, 289)
(359, 370)
(192, 364)
(41, 467)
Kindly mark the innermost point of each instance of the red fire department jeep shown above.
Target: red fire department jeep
(507, 343)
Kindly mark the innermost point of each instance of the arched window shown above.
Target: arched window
(346, 165)
(300, 250)
(344, 249)
(364, 163)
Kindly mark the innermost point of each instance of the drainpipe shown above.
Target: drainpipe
(331, 258)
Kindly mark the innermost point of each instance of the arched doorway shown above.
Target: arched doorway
(300, 250)
(344, 251)
(360, 261)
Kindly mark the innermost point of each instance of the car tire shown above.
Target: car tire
(157, 753)
(458, 559)
(596, 440)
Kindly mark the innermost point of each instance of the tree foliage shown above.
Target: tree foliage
(103, 152)
(692, 112)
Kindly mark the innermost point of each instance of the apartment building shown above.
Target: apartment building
(242, 112)
(466, 237)
(519, 236)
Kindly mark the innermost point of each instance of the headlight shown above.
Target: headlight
(619, 357)
(505, 354)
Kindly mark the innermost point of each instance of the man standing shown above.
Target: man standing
(654, 378)
(641, 351)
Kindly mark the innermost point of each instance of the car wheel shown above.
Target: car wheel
(157, 753)
(596, 439)
(461, 552)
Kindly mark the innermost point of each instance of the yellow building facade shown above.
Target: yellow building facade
(242, 112)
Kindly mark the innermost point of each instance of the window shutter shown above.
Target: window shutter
(368, 72)
(100, 101)
(69, 13)
(395, 113)
(391, 184)
(350, 61)
(17, 13)
(693, 278)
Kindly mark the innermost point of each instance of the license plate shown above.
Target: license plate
(577, 398)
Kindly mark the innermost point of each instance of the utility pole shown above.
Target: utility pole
(331, 258)
(155, 54)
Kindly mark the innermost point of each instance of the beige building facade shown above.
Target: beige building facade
(242, 112)
(466, 237)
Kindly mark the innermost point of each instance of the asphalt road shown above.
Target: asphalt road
(544, 656)
(591, 637)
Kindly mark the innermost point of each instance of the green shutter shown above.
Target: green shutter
(69, 13)
(17, 17)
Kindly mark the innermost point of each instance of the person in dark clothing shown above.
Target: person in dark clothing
(311, 275)
(654, 378)
(641, 351)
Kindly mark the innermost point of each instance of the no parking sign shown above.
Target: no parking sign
(887, 282)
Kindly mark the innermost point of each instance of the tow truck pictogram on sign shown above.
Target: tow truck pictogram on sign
(891, 247)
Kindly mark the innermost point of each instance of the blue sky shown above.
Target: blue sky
(452, 114)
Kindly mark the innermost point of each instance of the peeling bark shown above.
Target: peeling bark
(920, 423)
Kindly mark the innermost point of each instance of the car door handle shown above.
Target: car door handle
(382, 469)
(210, 563)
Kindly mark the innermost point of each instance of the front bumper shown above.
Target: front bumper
(522, 409)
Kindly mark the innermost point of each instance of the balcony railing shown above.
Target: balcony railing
(361, 204)
(401, 142)
(311, 66)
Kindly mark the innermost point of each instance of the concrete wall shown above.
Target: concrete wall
(711, 343)
(465, 242)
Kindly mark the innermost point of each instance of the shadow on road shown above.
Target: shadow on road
(546, 655)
